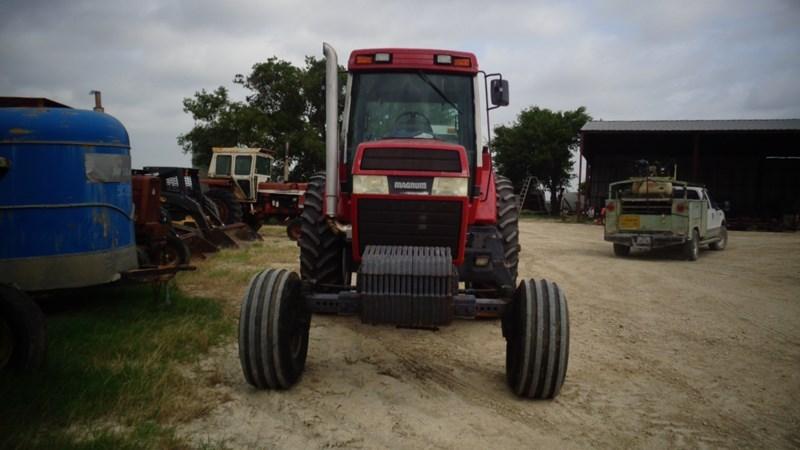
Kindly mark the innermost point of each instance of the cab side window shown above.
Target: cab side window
(223, 166)
(243, 164)
(262, 165)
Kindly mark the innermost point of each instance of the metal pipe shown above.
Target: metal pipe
(98, 102)
(331, 128)
(286, 163)
(580, 174)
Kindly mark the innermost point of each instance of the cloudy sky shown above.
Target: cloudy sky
(621, 59)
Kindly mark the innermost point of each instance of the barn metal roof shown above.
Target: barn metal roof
(693, 125)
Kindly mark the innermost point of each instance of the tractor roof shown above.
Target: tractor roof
(413, 59)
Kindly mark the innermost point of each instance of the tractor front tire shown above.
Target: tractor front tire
(23, 336)
(273, 330)
(536, 328)
(321, 250)
(621, 250)
(228, 209)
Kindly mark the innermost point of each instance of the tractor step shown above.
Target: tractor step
(407, 286)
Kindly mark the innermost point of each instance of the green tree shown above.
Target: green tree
(540, 142)
(285, 104)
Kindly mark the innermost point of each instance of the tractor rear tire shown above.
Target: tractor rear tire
(273, 330)
(321, 249)
(229, 210)
(723, 240)
(621, 250)
(508, 223)
(23, 336)
(294, 228)
(536, 328)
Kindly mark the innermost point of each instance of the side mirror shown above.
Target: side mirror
(499, 92)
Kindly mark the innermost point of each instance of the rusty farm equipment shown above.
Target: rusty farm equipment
(77, 225)
(193, 215)
(241, 185)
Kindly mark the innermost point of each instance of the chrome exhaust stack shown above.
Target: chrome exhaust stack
(331, 129)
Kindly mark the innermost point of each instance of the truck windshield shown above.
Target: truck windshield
(411, 105)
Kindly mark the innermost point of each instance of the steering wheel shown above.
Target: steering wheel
(408, 125)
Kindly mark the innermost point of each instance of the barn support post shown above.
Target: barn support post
(696, 158)
(589, 184)
(580, 174)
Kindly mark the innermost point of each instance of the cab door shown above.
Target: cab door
(714, 216)
(243, 168)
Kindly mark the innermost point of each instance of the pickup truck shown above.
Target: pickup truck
(655, 212)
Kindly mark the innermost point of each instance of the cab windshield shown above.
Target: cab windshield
(411, 105)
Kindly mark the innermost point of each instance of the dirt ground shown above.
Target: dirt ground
(664, 353)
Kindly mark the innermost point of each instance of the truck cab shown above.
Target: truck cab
(655, 212)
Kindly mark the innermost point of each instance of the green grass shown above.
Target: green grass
(111, 377)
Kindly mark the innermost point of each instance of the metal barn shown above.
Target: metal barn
(754, 165)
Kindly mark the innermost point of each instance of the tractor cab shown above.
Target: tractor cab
(247, 167)
(415, 95)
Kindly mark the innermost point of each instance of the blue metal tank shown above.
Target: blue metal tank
(66, 212)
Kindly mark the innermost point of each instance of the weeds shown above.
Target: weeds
(115, 373)
(113, 353)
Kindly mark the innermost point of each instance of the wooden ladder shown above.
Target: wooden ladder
(526, 185)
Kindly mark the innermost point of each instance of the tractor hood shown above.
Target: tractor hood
(424, 157)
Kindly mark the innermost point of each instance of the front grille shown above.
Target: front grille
(409, 222)
(409, 159)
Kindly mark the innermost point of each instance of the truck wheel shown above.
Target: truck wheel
(621, 250)
(230, 211)
(536, 328)
(723, 239)
(691, 248)
(273, 330)
(294, 228)
(320, 248)
(508, 223)
(23, 338)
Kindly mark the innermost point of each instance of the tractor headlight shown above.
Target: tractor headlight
(451, 186)
(370, 184)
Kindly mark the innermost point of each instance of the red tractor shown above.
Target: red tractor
(410, 205)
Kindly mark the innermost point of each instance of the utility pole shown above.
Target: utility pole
(286, 163)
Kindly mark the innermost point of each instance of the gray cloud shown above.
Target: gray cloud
(623, 60)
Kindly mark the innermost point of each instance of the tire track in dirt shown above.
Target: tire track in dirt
(664, 353)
